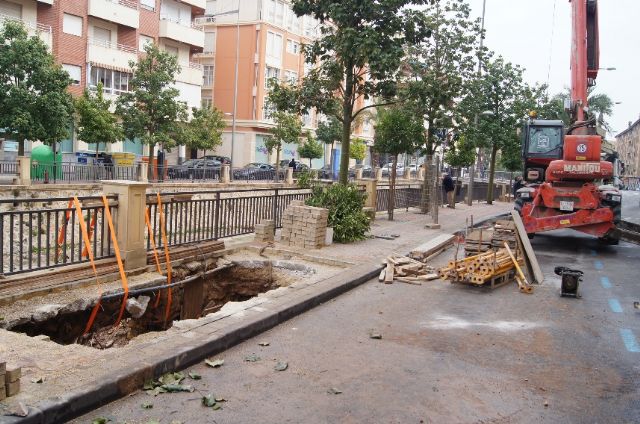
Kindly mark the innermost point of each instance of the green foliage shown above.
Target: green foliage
(305, 179)
(358, 149)
(359, 53)
(288, 129)
(398, 131)
(204, 131)
(34, 100)
(345, 205)
(441, 67)
(330, 131)
(311, 149)
(95, 123)
(152, 111)
(461, 154)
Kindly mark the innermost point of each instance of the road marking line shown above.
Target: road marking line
(615, 306)
(605, 282)
(629, 340)
(598, 264)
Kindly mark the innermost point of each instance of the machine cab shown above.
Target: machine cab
(542, 143)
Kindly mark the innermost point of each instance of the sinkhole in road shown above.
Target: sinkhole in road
(238, 282)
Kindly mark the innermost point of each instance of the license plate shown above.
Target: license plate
(566, 206)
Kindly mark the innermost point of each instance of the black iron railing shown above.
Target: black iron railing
(210, 215)
(45, 233)
(76, 172)
(405, 197)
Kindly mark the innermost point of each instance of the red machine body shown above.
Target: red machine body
(566, 171)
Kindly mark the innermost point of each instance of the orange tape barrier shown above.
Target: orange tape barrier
(116, 248)
(63, 228)
(155, 251)
(167, 258)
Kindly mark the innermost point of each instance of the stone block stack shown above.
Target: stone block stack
(9, 380)
(265, 231)
(304, 226)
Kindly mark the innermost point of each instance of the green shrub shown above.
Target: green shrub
(345, 205)
(305, 179)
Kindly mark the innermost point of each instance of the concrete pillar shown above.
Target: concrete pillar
(359, 173)
(225, 174)
(371, 188)
(421, 173)
(289, 177)
(144, 172)
(130, 224)
(379, 174)
(24, 170)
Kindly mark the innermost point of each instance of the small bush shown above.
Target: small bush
(305, 179)
(345, 205)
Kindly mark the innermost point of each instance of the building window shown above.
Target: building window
(207, 75)
(291, 77)
(148, 4)
(74, 71)
(66, 145)
(306, 118)
(144, 41)
(366, 127)
(101, 36)
(276, 12)
(210, 8)
(206, 102)
(293, 47)
(171, 50)
(113, 82)
(209, 42)
(10, 9)
(72, 24)
(274, 46)
(269, 74)
(310, 26)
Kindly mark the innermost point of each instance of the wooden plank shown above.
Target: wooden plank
(432, 245)
(192, 299)
(530, 256)
(388, 276)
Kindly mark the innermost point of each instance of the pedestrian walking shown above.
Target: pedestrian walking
(448, 188)
(292, 163)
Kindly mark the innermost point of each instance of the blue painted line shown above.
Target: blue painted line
(629, 340)
(593, 252)
(615, 306)
(598, 264)
(605, 282)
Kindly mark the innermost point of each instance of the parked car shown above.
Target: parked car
(367, 171)
(254, 171)
(195, 169)
(387, 168)
(284, 164)
(222, 159)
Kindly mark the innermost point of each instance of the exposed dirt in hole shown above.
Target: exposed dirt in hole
(238, 283)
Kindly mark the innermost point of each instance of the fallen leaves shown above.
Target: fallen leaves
(194, 375)
(37, 380)
(216, 363)
(252, 358)
(334, 391)
(167, 383)
(281, 366)
(213, 402)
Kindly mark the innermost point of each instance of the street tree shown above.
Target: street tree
(397, 131)
(461, 153)
(552, 107)
(287, 130)
(439, 70)
(204, 131)
(34, 100)
(151, 110)
(358, 149)
(358, 56)
(504, 99)
(329, 132)
(95, 123)
(310, 149)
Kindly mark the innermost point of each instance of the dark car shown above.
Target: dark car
(367, 171)
(222, 159)
(195, 169)
(284, 164)
(254, 171)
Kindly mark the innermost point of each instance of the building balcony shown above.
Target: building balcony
(189, 34)
(33, 29)
(46, 1)
(122, 12)
(191, 73)
(110, 54)
(201, 4)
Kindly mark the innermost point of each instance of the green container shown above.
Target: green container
(42, 163)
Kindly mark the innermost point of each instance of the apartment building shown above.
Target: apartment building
(628, 147)
(94, 40)
(263, 39)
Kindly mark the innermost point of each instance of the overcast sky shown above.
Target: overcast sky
(521, 31)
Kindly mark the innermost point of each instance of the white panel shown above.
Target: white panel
(10, 9)
(72, 24)
(75, 72)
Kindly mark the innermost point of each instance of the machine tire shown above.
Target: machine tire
(617, 213)
(518, 206)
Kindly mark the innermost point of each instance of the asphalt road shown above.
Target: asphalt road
(448, 354)
(631, 206)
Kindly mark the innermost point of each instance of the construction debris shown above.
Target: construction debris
(406, 270)
(9, 380)
(493, 267)
(432, 248)
(530, 257)
(478, 241)
(504, 231)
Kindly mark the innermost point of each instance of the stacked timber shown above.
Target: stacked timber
(478, 241)
(479, 269)
(406, 270)
(504, 231)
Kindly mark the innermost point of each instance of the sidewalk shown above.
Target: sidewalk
(79, 378)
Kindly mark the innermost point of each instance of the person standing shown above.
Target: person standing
(448, 187)
(292, 164)
(517, 185)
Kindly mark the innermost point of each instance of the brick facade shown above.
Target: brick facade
(628, 147)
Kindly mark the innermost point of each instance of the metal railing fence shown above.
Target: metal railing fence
(75, 172)
(44, 233)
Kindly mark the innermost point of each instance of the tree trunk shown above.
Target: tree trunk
(492, 169)
(427, 186)
(391, 204)
(347, 117)
(20, 145)
(152, 168)
(277, 163)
